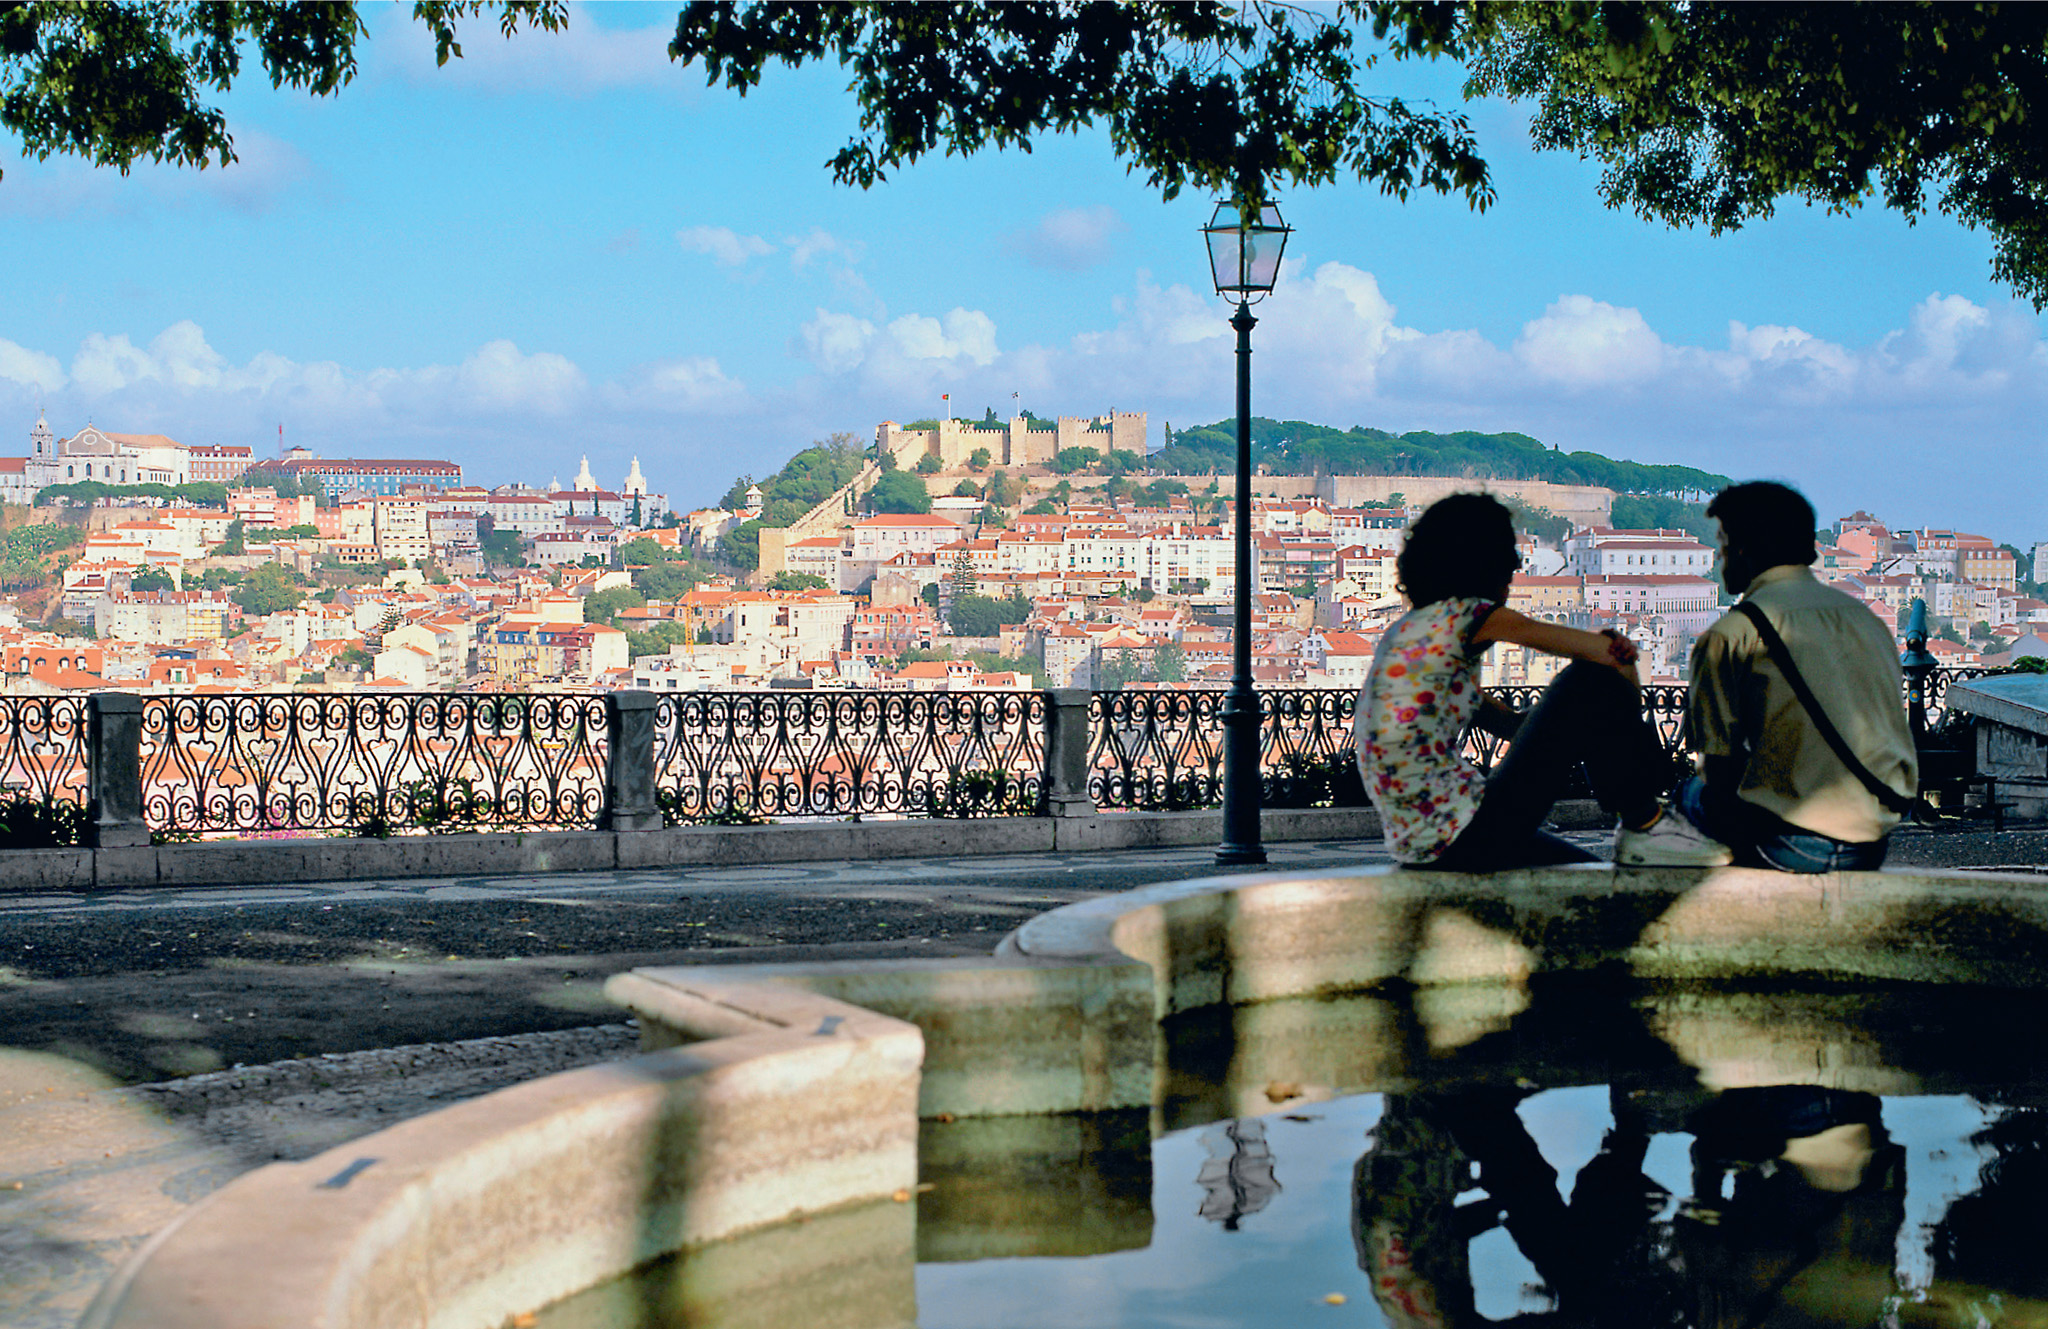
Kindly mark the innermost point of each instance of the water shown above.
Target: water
(1595, 1156)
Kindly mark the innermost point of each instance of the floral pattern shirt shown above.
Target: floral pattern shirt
(1413, 711)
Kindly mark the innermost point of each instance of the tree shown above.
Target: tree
(1230, 100)
(967, 489)
(1710, 114)
(1169, 664)
(505, 548)
(118, 84)
(929, 464)
(735, 498)
(1044, 507)
(741, 546)
(669, 581)
(1001, 490)
(979, 458)
(899, 491)
(152, 579)
(642, 552)
(1069, 460)
(797, 581)
(1114, 673)
(232, 546)
(962, 581)
(268, 590)
(604, 606)
(982, 615)
(356, 658)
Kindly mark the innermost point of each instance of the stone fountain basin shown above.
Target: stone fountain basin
(767, 1094)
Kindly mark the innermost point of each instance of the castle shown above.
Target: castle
(1013, 443)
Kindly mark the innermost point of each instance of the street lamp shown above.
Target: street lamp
(1244, 256)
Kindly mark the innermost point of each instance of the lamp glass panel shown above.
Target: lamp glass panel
(1223, 258)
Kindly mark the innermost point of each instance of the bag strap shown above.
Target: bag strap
(1781, 655)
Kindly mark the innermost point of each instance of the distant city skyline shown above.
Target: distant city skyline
(590, 252)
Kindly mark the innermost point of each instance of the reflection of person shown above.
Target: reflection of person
(1771, 785)
(1423, 692)
(1818, 1195)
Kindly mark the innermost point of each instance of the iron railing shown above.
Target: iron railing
(372, 763)
(42, 749)
(377, 763)
(743, 756)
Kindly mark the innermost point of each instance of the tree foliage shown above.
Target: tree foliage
(1296, 447)
(1654, 512)
(1234, 100)
(982, 615)
(267, 590)
(122, 83)
(604, 606)
(899, 491)
(1710, 114)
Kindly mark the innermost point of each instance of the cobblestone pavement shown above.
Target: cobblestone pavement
(298, 1017)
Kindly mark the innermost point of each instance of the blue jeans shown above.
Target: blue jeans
(1761, 840)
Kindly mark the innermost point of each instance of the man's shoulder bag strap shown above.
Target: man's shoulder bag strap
(1891, 798)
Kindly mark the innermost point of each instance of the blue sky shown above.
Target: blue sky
(564, 244)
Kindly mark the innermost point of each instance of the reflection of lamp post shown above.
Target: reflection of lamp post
(1244, 256)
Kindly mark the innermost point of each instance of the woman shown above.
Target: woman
(1438, 809)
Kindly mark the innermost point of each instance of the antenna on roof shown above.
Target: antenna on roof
(280, 438)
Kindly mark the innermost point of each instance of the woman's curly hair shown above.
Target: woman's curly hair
(1464, 545)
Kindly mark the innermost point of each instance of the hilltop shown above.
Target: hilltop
(1297, 447)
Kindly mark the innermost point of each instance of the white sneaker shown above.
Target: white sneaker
(1670, 842)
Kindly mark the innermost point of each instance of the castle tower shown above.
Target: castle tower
(585, 481)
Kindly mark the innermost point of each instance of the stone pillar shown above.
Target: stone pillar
(629, 801)
(1066, 753)
(114, 769)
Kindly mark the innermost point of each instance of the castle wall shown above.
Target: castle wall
(1016, 444)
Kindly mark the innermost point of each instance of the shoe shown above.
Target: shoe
(1670, 842)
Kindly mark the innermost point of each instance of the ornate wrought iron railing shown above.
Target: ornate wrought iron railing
(743, 756)
(294, 763)
(1162, 750)
(372, 763)
(42, 749)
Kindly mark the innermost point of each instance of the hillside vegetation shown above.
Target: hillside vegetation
(1296, 447)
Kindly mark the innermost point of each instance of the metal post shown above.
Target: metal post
(1241, 719)
(629, 795)
(114, 771)
(1066, 753)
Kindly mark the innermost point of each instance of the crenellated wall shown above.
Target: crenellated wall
(1015, 444)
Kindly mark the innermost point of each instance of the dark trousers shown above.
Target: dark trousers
(1760, 840)
(1588, 716)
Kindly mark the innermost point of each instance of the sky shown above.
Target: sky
(563, 244)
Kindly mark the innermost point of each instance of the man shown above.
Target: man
(1771, 786)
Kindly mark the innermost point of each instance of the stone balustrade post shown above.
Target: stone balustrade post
(114, 771)
(629, 794)
(1066, 753)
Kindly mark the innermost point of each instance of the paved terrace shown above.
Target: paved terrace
(162, 1042)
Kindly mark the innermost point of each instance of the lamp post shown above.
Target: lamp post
(1245, 245)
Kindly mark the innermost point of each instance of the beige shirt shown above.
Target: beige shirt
(1741, 705)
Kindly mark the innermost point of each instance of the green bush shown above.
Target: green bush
(30, 823)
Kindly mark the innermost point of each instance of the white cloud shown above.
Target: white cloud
(1588, 343)
(265, 171)
(30, 369)
(819, 243)
(1069, 240)
(687, 384)
(836, 343)
(725, 246)
(964, 334)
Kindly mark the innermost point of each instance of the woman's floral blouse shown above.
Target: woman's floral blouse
(1412, 715)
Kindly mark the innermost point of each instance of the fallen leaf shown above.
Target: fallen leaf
(1281, 1090)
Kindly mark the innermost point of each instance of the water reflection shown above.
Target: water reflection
(1588, 1155)
(1796, 1207)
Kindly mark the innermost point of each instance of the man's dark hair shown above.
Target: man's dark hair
(1770, 523)
(1463, 545)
